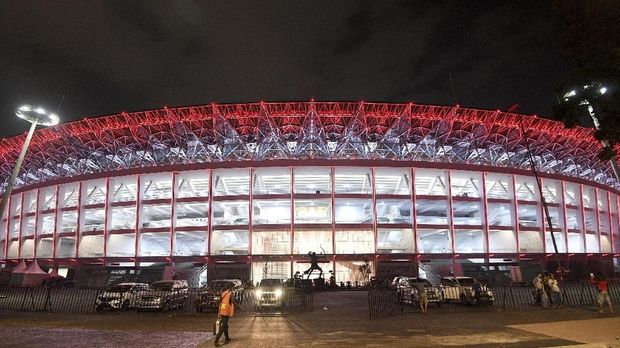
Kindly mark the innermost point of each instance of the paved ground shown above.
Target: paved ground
(345, 323)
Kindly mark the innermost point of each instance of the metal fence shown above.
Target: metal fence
(386, 303)
(96, 300)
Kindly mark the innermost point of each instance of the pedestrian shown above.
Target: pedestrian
(422, 296)
(225, 312)
(545, 298)
(556, 298)
(538, 288)
(477, 287)
(603, 295)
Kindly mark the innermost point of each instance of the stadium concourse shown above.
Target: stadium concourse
(248, 190)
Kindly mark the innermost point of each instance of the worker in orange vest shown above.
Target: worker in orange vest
(226, 310)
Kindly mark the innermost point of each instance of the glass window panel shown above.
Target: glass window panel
(156, 186)
(355, 242)
(466, 213)
(575, 242)
(47, 224)
(155, 215)
(604, 223)
(354, 211)
(349, 271)
(527, 189)
(3, 229)
(47, 198)
(271, 242)
(557, 218)
(601, 199)
(592, 243)
(559, 240)
(121, 245)
(588, 197)
(44, 247)
(192, 214)
(68, 221)
(500, 214)
(392, 181)
(231, 182)
(271, 181)
(94, 192)
(313, 211)
(499, 186)
(605, 244)
(552, 191)
(529, 215)
(502, 241)
(155, 244)
(230, 213)
(91, 246)
(29, 226)
(230, 242)
(14, 226)
(193, 184)
(125, 189)
(270, 270)
(394, 211)
(122, 218)
(190, 243)
(572, 196)
(13, 250)
(16, 204)
(573, 219)
(432, 241)
(316, 241)
(30, 201)
(27, 249)
(310, 180)
(469, 241)
(390, 241)
(466, 184)
(65, 247)
(271, 212)
(431, 212)
(93, 220)
(590, 221)
(353, 180)
(530, 242)
(303, 266)
(69, 195)
(431, 182)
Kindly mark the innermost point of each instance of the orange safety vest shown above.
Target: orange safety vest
(226, 306)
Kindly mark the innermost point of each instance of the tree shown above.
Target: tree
(365, 270)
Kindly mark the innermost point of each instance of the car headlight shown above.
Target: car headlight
(278, 293)
(259, 293)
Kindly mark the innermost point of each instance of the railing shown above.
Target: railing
(386, 303)
(184, 301)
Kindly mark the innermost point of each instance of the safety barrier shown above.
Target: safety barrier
(386, 303)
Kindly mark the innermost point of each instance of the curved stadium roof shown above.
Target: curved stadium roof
(304, 130)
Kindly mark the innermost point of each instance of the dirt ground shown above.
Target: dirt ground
(344, 323)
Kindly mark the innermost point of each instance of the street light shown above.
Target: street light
(36, 115)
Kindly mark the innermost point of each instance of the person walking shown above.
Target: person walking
(603, 295)
(422, 296)
(477, 287)
(225, 312)
(538, 287)
(556, 298)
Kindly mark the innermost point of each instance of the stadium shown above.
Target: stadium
(247, 190)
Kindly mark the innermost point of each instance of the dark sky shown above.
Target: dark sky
(106, 57)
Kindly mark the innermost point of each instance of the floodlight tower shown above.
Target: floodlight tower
(36, 115)
(586, 96)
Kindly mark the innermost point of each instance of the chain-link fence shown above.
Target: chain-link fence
(385, 303)
(183, 301)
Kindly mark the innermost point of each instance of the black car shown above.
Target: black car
(270, 293)
(208, 297)
(163, 295)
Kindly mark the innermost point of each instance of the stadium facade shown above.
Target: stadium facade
(247, 190)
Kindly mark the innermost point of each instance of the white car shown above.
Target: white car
(460, 289)
(121, 296)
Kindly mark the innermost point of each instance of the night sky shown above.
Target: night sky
(104, 57)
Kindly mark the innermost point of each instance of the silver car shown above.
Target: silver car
(119, 297)
(163, 295)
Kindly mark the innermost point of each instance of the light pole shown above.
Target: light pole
(36, 116)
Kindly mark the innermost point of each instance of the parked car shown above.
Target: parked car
(163, 295)
(120, 297)
(408, 292)
(208, 297)
(460, 289)
(270, 293)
